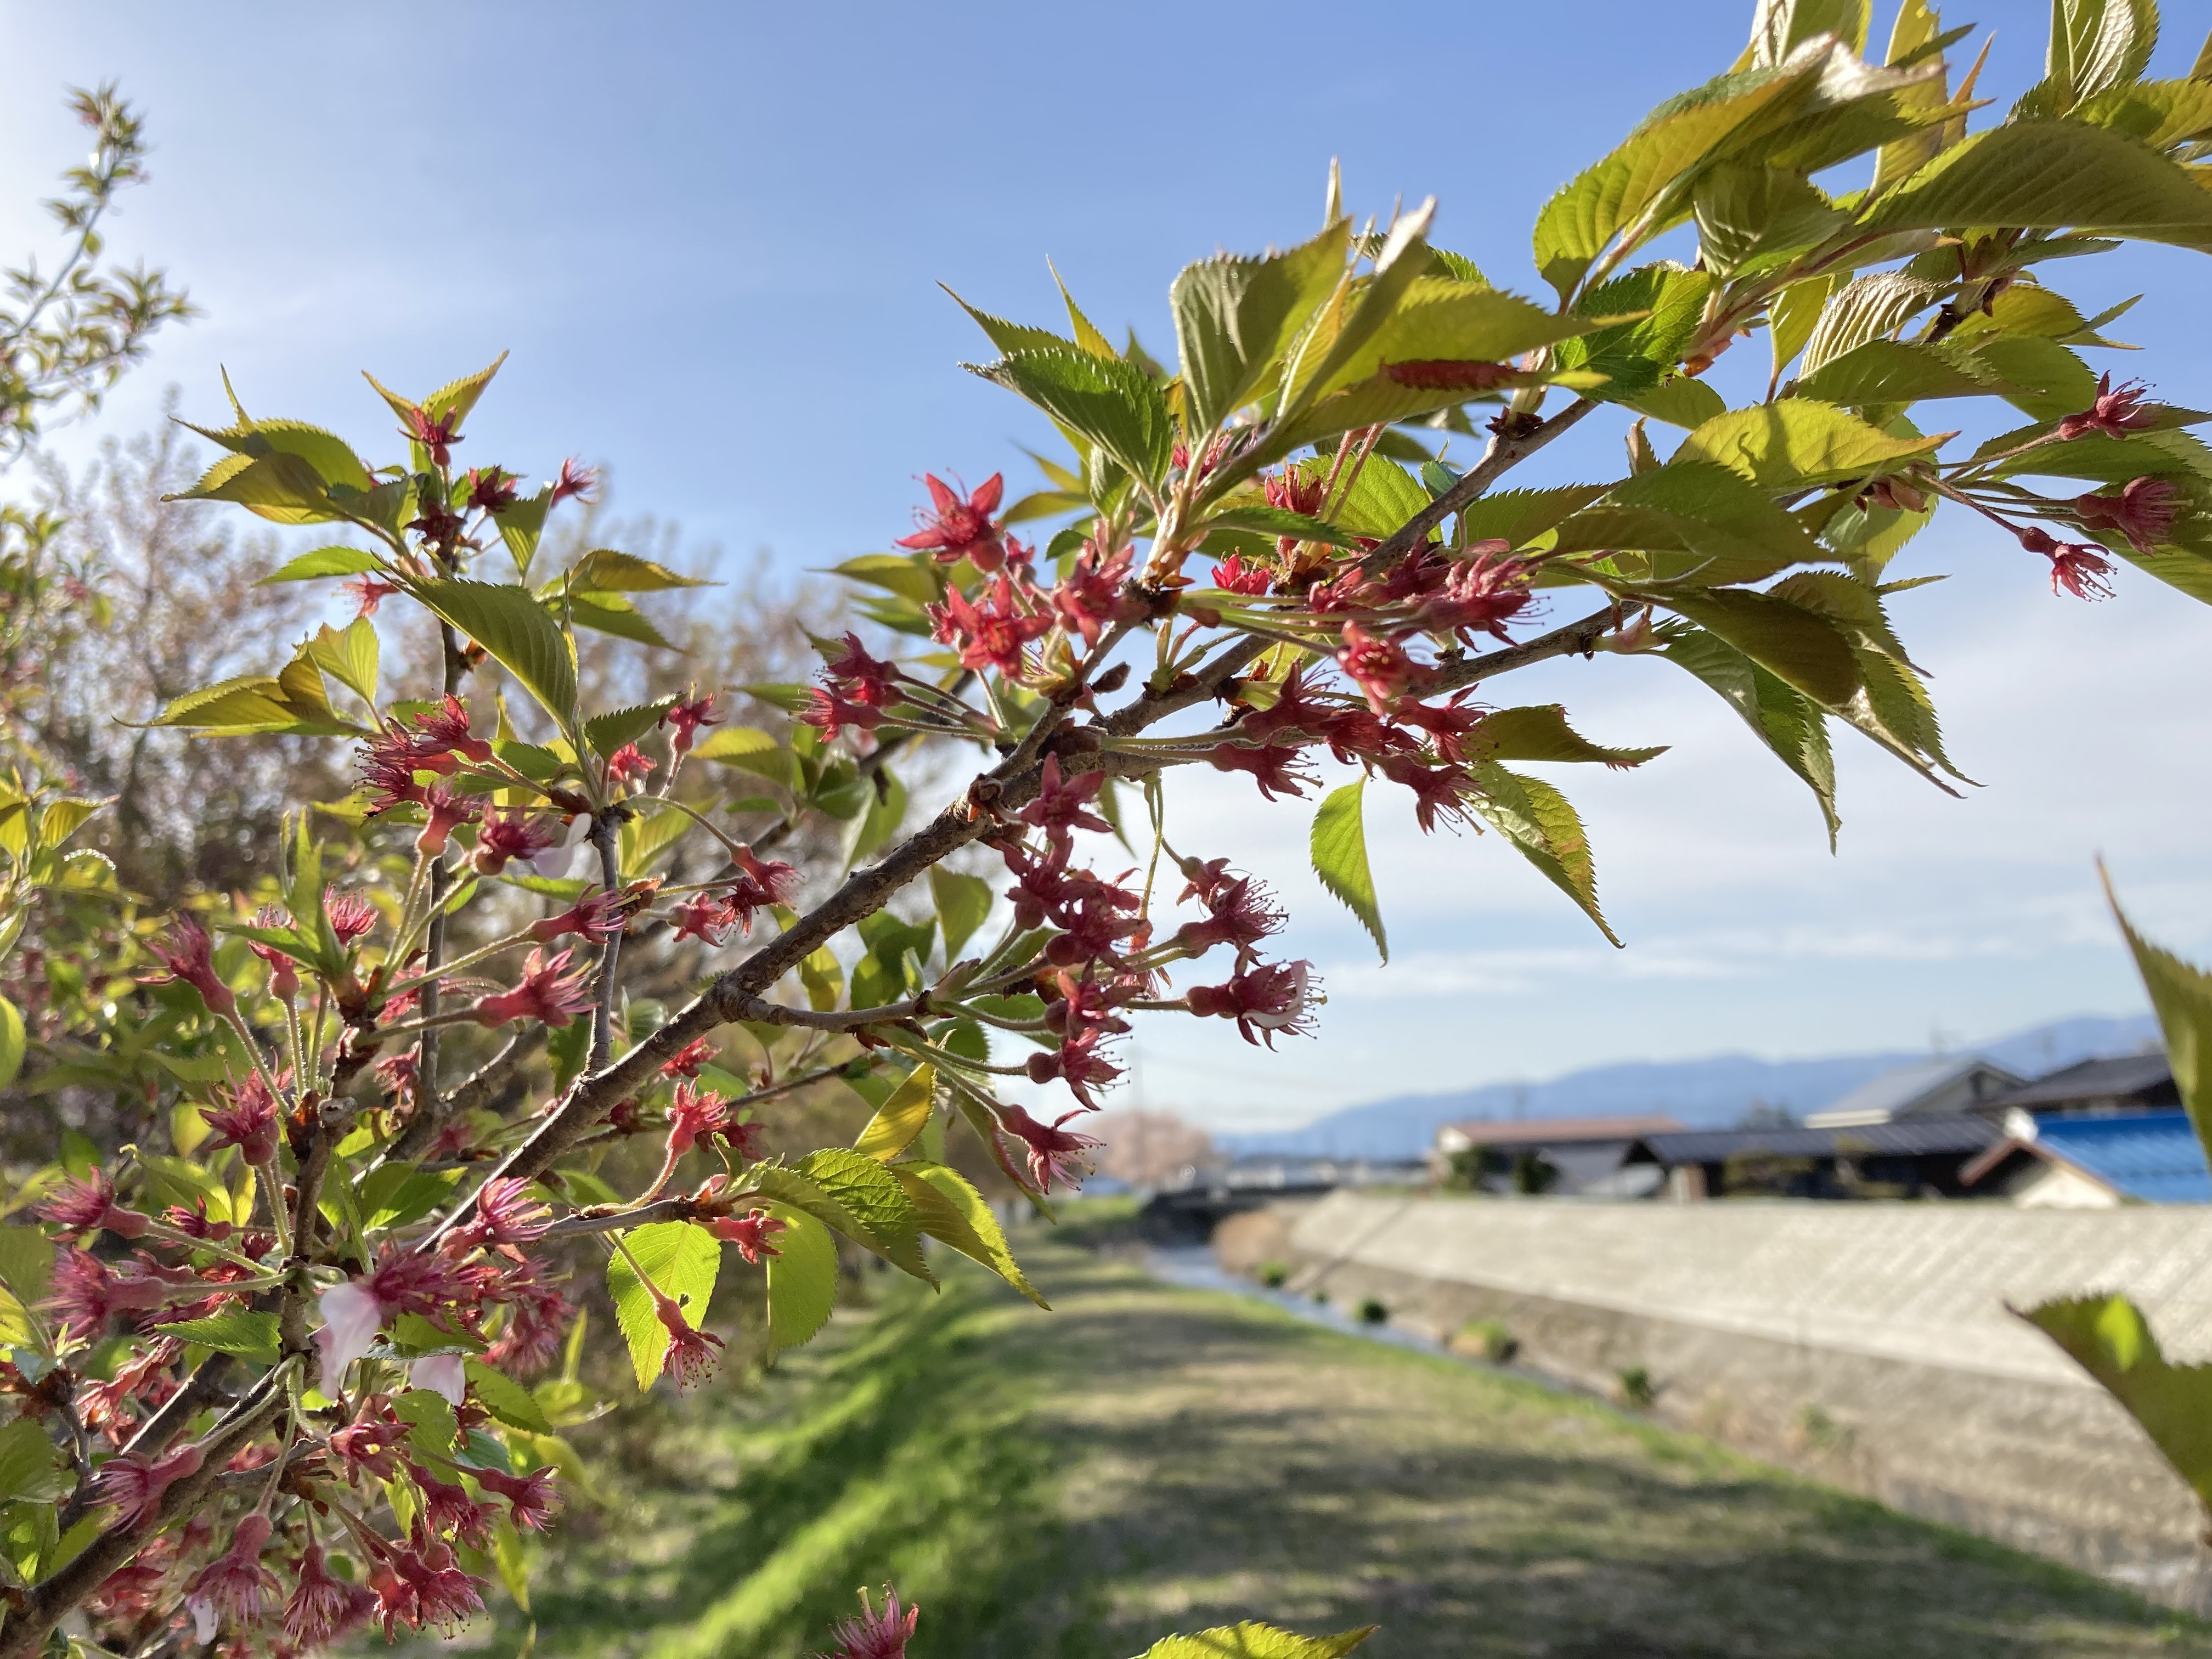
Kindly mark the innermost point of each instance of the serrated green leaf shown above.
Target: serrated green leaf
(2108, 1337)
(1234, 317)
(1668, 304)
(1540, 732)
(511, 625)
(505, 1398)
(980, 1240)
(323, 562)
(1682, 401)
(254, 1335)
(802, 1278)
(1278, 521)
(682, 1260)
(458, 397)
(604, 570)
(1893, 372)
(911, 578)
(1257, 1641)
(1517, 517)
(1798, 441)
(858, 1185)
(1439, 319)
(2048, 174)
(280, 488)
(607, 732)
(1540, 822)
(26, 1261)
(1750, 216)
(2181, 995)
(1108, 401)
(610, 613)
(1866, 308)
(1339, 851)
(1788, 722)
(348, 655)
(645, 836)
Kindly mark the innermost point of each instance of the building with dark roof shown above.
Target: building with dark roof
(1916, 1158)
(1572, 1156)
(2094, 1088)
(1935, 1088)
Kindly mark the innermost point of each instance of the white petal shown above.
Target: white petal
(202, 1612)
(350, 1317)
(441, 1373)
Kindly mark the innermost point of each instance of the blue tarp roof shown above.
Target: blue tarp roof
(2152, 1156)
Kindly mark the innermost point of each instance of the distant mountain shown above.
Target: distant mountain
(1710, 1093)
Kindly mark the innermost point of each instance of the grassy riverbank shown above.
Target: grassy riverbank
(1145, 1459)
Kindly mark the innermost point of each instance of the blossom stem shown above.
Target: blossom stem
(447, 970)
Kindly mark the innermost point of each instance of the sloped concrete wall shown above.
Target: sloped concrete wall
(1867, 1345)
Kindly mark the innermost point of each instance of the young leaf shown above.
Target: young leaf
(682, 1259)
(603, 570)
(1785, 720)
(899, 1118)
(2108, 1337)
(1234, 317)
(1256, 1641)
(609, 731)
(1893, 372)
(13, 1041)
(886, 1219)
(2046, 174)
(323, 562)
(254, 1335)
(283, 489)
(1339, 858)
(1798, 441)
(1540, 732)
(505, 1398)
(802, 1278)
(963, 903)
(1280, 521)
(1801, 646)
(981, 1239)
(30, 1464)
(2181, 994)
(514, 628)
(1110, 401)
(1538, 819)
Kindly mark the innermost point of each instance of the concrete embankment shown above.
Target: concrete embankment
(1868, 1346)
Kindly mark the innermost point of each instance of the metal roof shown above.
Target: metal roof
(2092, 1080)
(1560, 1131)
(1910, 1138)
(2152, 1156)
(1895, 1093)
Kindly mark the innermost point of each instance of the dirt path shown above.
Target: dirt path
(1148, 1459)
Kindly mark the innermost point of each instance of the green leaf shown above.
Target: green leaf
(802, 1280)
(1580, 221)
(283, 489)
(603, 570)
(1798, 441)
(1279, 521)
(254, 1335)
(680, 1257)
(13, 1041)
(1780, 27)
(1893, 372)
(2045, 174)
(1539, 821)
(886, 801)
(1110, 401)
(323, 562)
(514, 628)
(2108, 1337)
(1517, 517)
(1867, 308)
(1256, 1641)
(1801, 647)
(26, 1261)
(458, 397)
(910, 577)
(980, 1240)
(1719, 514)
(512, 1562)
(1748, 215)
(610, 613)
(886, 1218)
(2097, 45)
(964, 903)
(1540, 732)
(1235, 317)
(1669, 303)
(1791, 318)
(506, 1399)
(1784, 719)
(1682, 402)
(1014, 337)
(30, 1464)
(522, 525)
(248, 702)
(1440, 320)
(2181, 994)
(348, 656)
(901, 1117)
(2159, 113)
(645, 836)
(1338, 850)
(609, 731)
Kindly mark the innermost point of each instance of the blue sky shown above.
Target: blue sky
(711, 236)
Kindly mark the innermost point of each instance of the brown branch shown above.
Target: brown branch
(1574, 639)
(1503, 454)
(606, 831)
